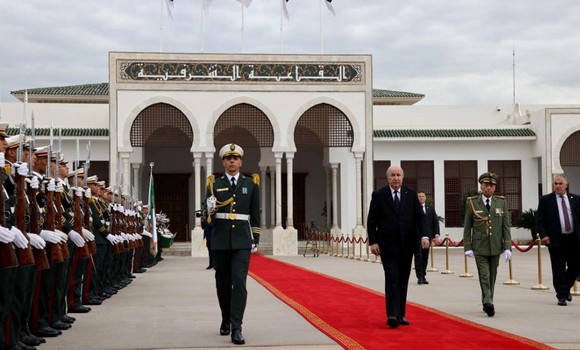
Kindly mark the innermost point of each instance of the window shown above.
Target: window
(419, 175)
(380, 170)
(510, 184)
(460, 179)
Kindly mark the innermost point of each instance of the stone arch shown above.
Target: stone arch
(358, 140)
(564, 140)
(125, 142)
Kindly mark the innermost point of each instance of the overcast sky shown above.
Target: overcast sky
(453, 51)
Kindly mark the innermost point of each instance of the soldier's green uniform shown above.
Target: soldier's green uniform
(487, 234)
(236, 228)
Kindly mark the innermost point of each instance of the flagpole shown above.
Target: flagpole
(321, 42)
(201, 25)
(161, 25)
(242, 5)
(281, 26)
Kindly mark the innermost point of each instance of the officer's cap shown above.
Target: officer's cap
(101, 183)
(41, 151)
(80, 173)
(92, 180)
(61, 160)
(489, 177)
(231, 149)
(14, 141)
(3, 128)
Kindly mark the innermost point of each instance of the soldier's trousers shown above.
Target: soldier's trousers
(58, 309)
(7, 280)
(231, 271)
(92, 284)
(40, 299)
(487, 270)
(22, 301)
(78, 268)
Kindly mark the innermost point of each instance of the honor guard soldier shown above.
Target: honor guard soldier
(233, 202)
(486, 234)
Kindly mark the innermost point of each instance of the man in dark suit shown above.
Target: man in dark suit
(233, 205)
(559, 227)
(422, 255)
(394, 225)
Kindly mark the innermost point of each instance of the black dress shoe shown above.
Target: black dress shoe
(37, 339)
(79, 309)
(140, 270)
(425, 281)
(569, 297)
(403, 321)
(46, 332)
(393, 322)
(93, 301)
(489, 309)
(209, 267)
(30, 340)
(237, 337)
(225, 328)
(25, 347)
(68, 319)
(60, 326)
(419, 281)
(562, 301)
(132, 276)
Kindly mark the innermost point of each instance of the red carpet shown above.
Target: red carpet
(354, 316)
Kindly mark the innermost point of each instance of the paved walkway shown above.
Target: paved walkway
(173, 306)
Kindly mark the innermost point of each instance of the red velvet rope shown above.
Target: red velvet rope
(524, 250)
(455, 244)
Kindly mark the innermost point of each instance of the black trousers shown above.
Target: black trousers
(421, 260)
(7, 280)
(22, 301)
(397, 270)
(231, 272)
(565, 264)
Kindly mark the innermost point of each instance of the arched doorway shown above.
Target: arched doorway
(570, 160)
(319, 129)
(164, 136)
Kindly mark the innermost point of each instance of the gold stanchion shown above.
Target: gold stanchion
(342, 245)
(575, 290)
(347, 249)
(539, 286)
(432, 268)
(447, 271)
(368, 250)
(466, 273)
(360, 256)
(511, 281)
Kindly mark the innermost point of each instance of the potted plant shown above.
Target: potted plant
(527, 220)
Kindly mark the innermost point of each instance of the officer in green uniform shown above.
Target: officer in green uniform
(233, 203)
(486, 234)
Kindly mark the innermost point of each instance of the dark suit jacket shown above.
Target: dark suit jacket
(548, 218)
(395, 231)
(432, 221)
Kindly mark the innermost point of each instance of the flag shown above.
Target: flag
(169, 4)
(329, 6)
(205, 6)
(152, 218)
(245, 2)
(285, 9)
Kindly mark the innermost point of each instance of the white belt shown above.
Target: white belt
(232, 216)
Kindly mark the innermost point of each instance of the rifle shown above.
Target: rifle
(78, 227)
(55, 253)
(8, 256)
(87, 216)
(58, 197)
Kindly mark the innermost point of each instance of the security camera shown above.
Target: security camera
(498, 108)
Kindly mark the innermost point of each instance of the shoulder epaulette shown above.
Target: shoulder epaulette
(256, 178)
(500, 197)
(473, 197)
(210, 180)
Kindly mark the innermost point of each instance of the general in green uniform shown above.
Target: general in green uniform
(486, 234)
(233, 202)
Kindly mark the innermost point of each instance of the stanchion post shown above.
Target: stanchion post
(447, 271)
(511, 281)
(539, 286)
(342, 245)
(432, 268)
(466, 273)
(361, 242)
(575, 290)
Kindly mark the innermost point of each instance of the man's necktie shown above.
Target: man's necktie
(233, 183)
(424, 210)
(487, 204)
(397, 201)
(567, 226)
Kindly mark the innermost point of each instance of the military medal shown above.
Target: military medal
(244, 190)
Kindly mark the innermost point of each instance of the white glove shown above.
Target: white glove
(211, 201)
(2, 160)
(138, 236)
(147, 233)
(254, 248)
(119, 239)
(76, 238)
(88, 235)
(111, 239)
(63, 236)
(33, 181)
(36, 241)
(22, 168)
(88, 193)
(19, 240)
(51, 186)
(124, 236)
(79, 191)
(49, 236)
(507, 254)
(59, 187)
(6, 236)
(469, 253)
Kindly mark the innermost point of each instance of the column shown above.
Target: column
(197, 173)
(334, 168)
(278, 156)
(126, 171)
(272, 197)
(290, 191)
(136, 180)
(263, 197)
(328, 195)
(208, 164)
(358, 163)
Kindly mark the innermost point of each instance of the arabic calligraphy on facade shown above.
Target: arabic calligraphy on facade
(327, 73)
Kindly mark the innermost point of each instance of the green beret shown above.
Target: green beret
(489, 178)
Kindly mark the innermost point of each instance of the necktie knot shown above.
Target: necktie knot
(487, 205)
(397, 201)
(233, 182)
